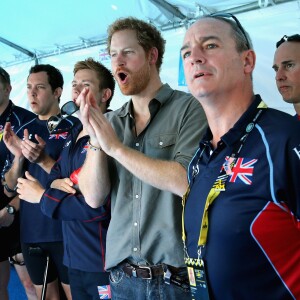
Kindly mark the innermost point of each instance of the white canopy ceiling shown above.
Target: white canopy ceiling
(51, 31)
(36, 29)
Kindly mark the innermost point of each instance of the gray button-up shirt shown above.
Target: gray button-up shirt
(146, 222)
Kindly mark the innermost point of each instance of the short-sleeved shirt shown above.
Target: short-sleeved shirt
(242, 220)
(84, 228)
(35, 227)
(146, 222)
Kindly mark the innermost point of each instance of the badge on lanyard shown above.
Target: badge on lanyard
(195, 266)
(197, 279)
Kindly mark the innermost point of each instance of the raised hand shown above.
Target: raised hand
(12, 141)
(84, 99)
(98, 127)
(34, 152)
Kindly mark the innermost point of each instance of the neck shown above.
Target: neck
(223, 115)
(53, 112)
(141, 101)
(3, 106)
(297, 108)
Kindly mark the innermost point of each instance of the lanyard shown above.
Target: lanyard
(219, 184)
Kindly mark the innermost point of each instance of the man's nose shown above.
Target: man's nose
(280, 74)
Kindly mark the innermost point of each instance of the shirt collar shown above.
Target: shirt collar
(234, 134)
(162, 96)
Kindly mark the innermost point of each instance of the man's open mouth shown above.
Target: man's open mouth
(122, 76)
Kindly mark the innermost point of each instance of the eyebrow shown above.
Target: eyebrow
(85, 80)
(38, 83)
(203, 40)
(283, 63)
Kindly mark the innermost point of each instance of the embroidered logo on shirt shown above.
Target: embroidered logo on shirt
(67, 144)
(57, 136)
(297, 151)
(243, 170)
(104, 292)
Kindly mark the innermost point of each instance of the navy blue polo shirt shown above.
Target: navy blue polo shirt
(17, 116)
(246, 228)
(35, 228)
(84, 228)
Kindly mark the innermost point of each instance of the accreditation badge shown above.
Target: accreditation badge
(197, 279)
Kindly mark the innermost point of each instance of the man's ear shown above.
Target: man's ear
(7, 89)
(249, 61)
(153, 55)
(106, 94)
(58, 92)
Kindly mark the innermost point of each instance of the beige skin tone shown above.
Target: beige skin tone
(217, 75)
(44, 102)
(128, 57)
(30, 189)
(287, 67)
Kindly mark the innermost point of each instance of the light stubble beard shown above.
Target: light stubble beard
(138, 81)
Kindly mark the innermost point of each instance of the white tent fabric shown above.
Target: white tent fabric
(265, 26)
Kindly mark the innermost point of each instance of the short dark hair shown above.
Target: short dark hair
(286, 38)
(55, 77)
(105, 76)
(148, 36)
(4, 76)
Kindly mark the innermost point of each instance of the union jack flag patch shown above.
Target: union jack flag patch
(242, 171)
(104, 292)
(57, 136)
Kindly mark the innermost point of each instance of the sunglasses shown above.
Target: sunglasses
(285, 38)
(239, 25)
(66, 110)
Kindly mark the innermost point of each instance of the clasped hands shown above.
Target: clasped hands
(98, 127)
(34, 152)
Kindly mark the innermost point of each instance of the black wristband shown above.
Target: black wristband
(8, 189)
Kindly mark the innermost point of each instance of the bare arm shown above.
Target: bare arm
(93, 179)
(13, 144)
(165, 175)
(6, 219)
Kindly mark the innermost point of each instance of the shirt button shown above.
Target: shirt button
(137, 144)
(135, 224)
(161, 143)
(135, 249)
(136, 196)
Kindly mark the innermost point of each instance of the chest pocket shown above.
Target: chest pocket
(161, 146)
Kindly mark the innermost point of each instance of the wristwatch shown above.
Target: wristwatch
(10, 209)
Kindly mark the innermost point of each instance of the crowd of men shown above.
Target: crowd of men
(172, 196)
